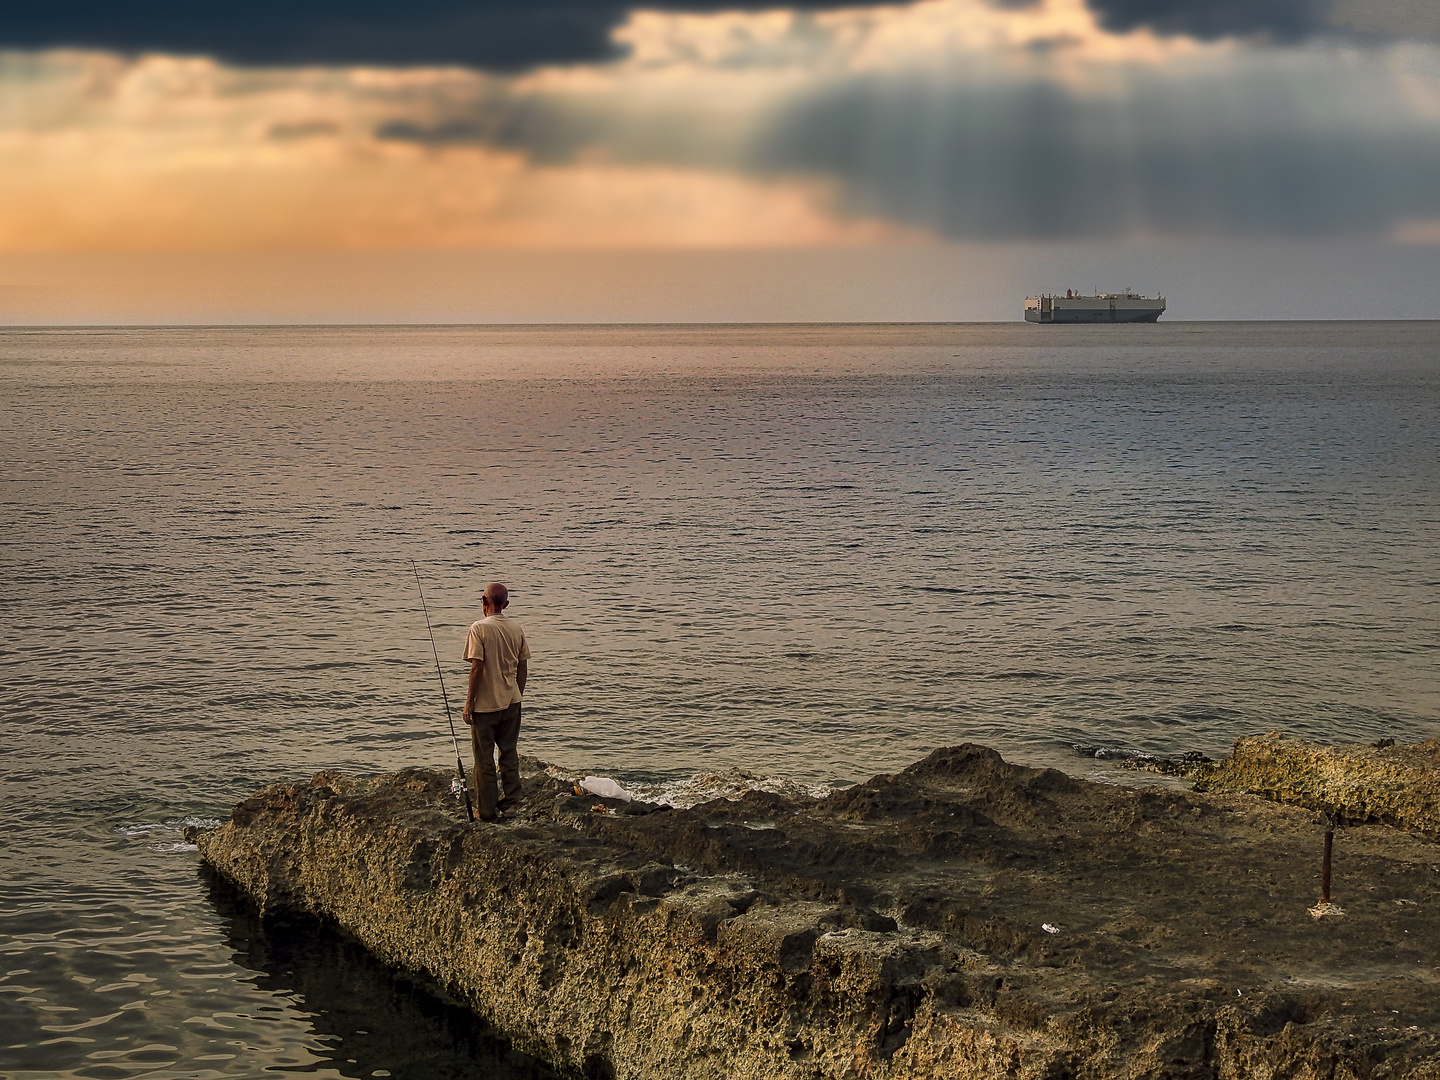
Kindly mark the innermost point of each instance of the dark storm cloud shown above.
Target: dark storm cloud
(1004, 160)
(499, 35)
(511, 35)
(1285, 20)
(488, 33)
(1273, 20)
(1035, 160)
(559, 131)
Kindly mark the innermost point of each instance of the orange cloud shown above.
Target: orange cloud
(398, 197)
(932, 33)
(184, 154)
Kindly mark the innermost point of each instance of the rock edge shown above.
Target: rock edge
(1374, 782)
(901, 928)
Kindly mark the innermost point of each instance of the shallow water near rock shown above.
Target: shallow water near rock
(808, 554)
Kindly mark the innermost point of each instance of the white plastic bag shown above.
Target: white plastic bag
(604, 787)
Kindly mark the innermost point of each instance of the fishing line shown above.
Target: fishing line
(464, 784)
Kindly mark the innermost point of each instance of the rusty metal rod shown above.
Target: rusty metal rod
(1325, 864)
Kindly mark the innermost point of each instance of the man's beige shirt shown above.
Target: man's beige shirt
(500, 645)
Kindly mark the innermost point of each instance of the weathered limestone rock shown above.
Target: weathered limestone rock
(1394, 785)
(963, 919)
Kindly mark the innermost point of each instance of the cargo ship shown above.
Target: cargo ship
(1102, 307)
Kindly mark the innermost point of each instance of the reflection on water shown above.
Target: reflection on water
(368, 1019)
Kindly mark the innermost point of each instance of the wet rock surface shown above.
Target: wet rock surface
(962, 918)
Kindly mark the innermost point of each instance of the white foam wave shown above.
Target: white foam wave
(161, 833)
(702, 787)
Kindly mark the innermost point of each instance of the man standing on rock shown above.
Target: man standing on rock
(499, 662)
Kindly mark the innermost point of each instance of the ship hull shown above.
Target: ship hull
(1119, 309)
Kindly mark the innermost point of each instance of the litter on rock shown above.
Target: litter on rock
(604, 787)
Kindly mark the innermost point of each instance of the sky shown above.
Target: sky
(576, 160)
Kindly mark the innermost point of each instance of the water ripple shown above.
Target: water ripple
(804, 569)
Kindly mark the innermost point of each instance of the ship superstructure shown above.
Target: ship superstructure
(1100, 308)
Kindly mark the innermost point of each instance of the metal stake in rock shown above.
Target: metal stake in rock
(1325, 909)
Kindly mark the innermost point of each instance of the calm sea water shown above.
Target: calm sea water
(812, 553)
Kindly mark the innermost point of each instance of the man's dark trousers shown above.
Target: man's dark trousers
(489, 731)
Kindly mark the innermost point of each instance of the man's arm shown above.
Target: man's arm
(522, 669)
(476, 666)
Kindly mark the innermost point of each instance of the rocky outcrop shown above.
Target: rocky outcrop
(1378, 782)
(964, 918)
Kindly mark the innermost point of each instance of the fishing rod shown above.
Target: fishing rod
(464, 784)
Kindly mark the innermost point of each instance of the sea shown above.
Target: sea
(744, 556)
